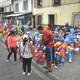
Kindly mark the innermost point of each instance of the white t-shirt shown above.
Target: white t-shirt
(25, 51)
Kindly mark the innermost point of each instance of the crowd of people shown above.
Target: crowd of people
(57, 46)
(45, 45)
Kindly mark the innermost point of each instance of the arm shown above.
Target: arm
(21, 49)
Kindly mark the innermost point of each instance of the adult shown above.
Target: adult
(26, 55)
(12, 46)
(47, 40)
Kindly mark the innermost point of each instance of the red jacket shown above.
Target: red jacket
(11, 42)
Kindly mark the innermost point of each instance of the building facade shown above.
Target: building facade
(23, 8)
(8, 6)
(1, 3)
(56, 12)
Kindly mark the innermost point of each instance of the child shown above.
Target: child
(62, 52)
(26, 56)
(69, 49)
(56, 61)
(69, 52)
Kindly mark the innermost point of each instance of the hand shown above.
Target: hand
(21, 59)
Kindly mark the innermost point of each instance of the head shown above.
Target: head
(40, 29)
(12, 33)
(25, 40)
(21, 33)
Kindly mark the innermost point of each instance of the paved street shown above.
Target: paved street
(13, 71)
(65, 72)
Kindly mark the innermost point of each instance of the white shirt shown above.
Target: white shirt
(25, 51)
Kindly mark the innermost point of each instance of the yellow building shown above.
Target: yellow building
(56, 12)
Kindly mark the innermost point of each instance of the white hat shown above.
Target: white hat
(25, 36)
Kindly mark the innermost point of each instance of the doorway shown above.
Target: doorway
(51, 19)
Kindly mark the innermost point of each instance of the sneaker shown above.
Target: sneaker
(24, 73)
(29, 74)
(52, 64)
(7, 61)
(70, 60)
(15, 62)
(55, 67)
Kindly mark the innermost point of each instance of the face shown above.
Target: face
(21, 34)
(40, 31)
(26, 40)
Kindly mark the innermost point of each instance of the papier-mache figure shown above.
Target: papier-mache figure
(73, 38)
(69, 48)
(36, 40)
(62, 50)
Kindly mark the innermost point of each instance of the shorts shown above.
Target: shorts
(50, 54)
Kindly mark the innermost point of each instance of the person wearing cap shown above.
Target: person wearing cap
(26, 55)
(12, 46)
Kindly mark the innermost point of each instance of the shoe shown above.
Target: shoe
(7, 61)
(52, 64)
(49, 71)
(15, 62)
(24, 73)
(29, 74)
(70, 60)
(55, 67)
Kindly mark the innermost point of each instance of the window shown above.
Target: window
(1, 9)
(39, 19)
(51, 19)
(38, 3)
(9, 8)
(12, 1)
(16, 7)
(57, 2)
(5, 10)
(35, 3)
(25, 5)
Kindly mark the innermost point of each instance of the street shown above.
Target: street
(46, 31)
(13, 71)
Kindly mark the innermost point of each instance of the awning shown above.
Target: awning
(12, 15)
(16, 15)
